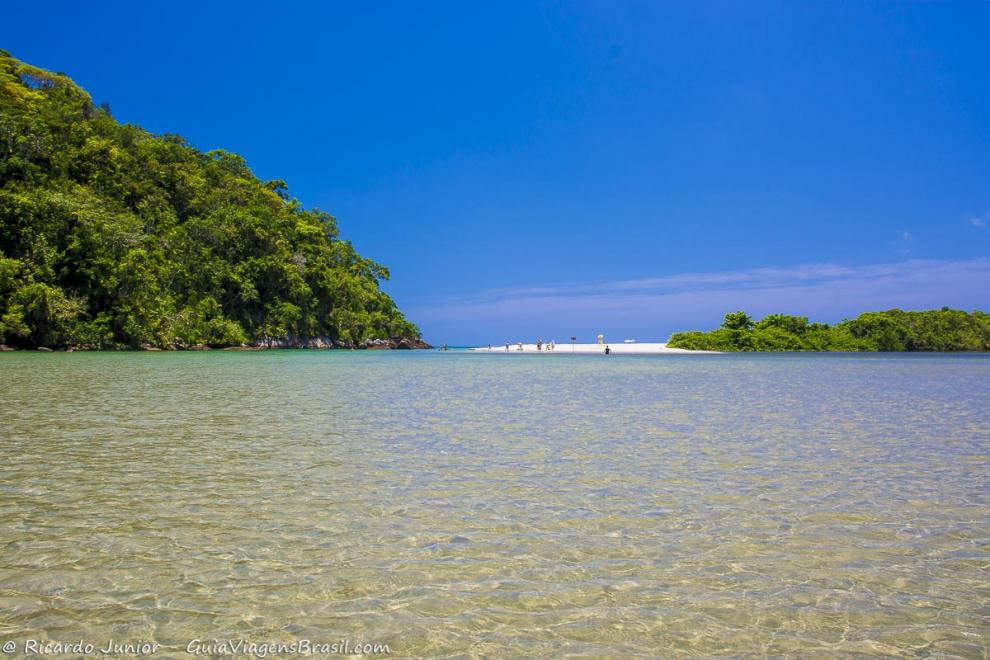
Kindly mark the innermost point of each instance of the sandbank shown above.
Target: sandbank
(636, 348)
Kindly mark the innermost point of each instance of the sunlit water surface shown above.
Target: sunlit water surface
(499, 505)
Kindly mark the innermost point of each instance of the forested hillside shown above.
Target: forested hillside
(894, 330)
(111, 236)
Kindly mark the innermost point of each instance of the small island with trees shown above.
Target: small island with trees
(112, 237)
(894, 330)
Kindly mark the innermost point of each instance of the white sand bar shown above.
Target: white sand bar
(565, 348)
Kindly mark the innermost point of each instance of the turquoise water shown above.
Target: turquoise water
(453, 504)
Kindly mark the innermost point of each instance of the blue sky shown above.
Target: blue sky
(536, 170)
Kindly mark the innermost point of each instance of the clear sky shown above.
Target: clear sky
(536, 170)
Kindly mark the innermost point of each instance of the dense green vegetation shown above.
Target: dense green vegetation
(111, 236)
(894, 330)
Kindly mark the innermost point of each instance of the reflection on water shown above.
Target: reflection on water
(499, 505)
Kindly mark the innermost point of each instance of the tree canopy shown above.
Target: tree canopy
(112, 236)
(894, 330)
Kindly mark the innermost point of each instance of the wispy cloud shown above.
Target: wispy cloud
(979, 223)
(823, 291)
(807, 275)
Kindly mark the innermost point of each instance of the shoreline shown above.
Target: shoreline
(372, 345)
(637, 348)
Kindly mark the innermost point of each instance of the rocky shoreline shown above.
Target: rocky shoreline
(289, 341)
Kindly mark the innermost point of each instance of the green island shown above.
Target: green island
(112, 237)
(893, 330)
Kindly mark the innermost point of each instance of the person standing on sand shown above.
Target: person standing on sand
(608, 350)
(506, 348)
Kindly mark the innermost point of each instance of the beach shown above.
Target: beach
(635, 348)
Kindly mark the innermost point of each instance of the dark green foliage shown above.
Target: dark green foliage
(737, 321)
(895, 330)
(112, 236)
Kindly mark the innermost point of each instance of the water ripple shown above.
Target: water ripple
(464, 505)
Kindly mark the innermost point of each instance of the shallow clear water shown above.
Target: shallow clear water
(457, 504)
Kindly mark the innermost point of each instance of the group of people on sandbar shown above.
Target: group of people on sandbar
(540, 345)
